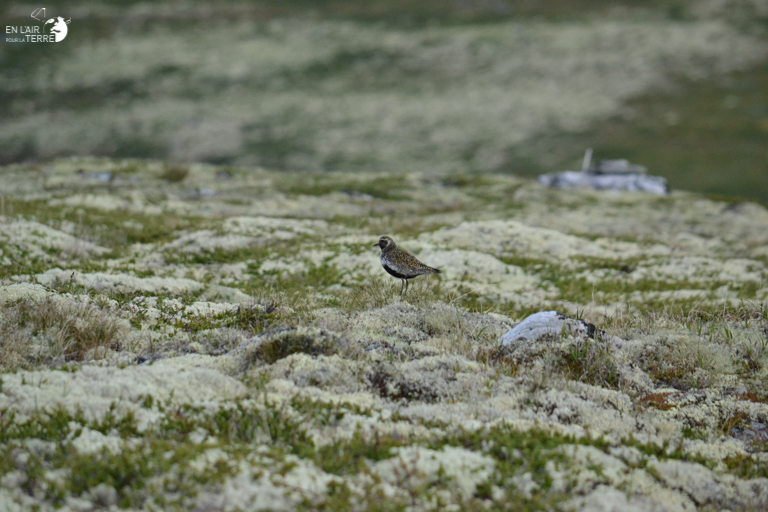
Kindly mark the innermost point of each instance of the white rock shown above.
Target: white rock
(546, 323)
(629, 182)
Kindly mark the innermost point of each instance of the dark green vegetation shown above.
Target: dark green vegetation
(158, 467)
(287, 342)
(251, 318)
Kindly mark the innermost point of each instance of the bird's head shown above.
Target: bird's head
(385, 243)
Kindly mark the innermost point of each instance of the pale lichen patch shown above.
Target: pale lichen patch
(28, 239)
(97, 391)
(207, 240)
(417, 471)
(92, 441)
(120, 282)
(18, 291)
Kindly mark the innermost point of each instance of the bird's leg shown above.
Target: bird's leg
(402, 284)
(406, 286)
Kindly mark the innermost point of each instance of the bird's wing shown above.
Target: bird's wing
(415, 264)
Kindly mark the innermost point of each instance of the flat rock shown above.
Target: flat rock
(627, 182)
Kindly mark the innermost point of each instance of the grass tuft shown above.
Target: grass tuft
(54, 331)
(296, 341)
(590, 361)
(377, 292)
(175, 173)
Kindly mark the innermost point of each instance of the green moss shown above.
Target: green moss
(115, 229)
(219, 256)
(51, 425)
(297, 287)
(351, 456)
(22, 263)
(159, 466)
(746, 466)
(694, 433)
(253, 318)
(516, 453)
(382, 187)
(286, 343)
(127, 472)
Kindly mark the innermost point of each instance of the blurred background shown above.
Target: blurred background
(436, 86)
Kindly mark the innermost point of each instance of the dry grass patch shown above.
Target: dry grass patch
(53, 331)
(733, 420)
(378, 291)
(696, 348)
(590, 361)
(457, 332)
(558, 357)
(657, 401)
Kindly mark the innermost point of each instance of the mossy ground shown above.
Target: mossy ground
(221, 336)
(337, 392)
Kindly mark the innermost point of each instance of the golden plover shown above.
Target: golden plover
(400, 263)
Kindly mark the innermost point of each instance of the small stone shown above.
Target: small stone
(547, 323)
(104, 495)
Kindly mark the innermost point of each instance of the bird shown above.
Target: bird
(401, 264)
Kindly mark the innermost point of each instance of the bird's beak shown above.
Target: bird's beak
(375, 245)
